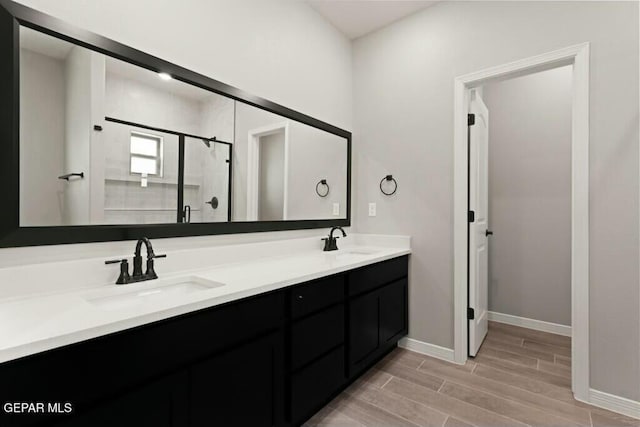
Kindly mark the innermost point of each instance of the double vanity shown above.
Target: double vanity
(234, 330)
(264, 341)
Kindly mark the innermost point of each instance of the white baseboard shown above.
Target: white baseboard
(524, 322)
(427, 349)
(621, 405)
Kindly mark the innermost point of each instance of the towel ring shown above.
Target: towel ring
(389, 178)
(322, 182)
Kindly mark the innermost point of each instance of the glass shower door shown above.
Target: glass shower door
(207, 183)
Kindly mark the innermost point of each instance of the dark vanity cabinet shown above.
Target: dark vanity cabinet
(270, 360)
(378, 314)
(340, 326)
(317, 352)
(241, 387)
(206, 365)
(161, 403)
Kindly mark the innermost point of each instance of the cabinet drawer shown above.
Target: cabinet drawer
(316, 334)
(373, 276)
(316, 295)
(313, 386)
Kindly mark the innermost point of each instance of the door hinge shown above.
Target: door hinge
(472, 216)
(471, 119)
(471, 314)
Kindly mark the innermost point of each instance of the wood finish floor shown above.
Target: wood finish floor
(520, 377)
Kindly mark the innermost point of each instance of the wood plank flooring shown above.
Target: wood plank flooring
(520, 377)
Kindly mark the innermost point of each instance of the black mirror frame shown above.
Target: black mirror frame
(12, 16)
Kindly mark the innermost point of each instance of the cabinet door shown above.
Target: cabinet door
(393, 302)
(241, 387)
(313, 386)
(363, 327)
(316, 334)
(162, 403)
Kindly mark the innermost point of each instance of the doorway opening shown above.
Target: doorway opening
(470, 227)
(268, 173)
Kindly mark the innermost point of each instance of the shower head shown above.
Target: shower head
(206, 142)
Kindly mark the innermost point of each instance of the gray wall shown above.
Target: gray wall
(530, 195)
(403, 104)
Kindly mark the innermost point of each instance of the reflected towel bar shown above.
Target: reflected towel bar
(69, 175)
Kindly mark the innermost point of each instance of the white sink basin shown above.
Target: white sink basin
(163, 292)
(352, 254)
(360, 251)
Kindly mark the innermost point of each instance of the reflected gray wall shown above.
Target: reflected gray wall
(78, 134)
(271, 188)
(42, 133)
(313, 155)
(247, 118)
(316, 155)
(530, 195)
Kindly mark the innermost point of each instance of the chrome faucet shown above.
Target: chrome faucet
(330, 243)
(137, 275)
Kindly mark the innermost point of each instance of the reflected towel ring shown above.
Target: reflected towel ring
(389, 178)
(68, 176)
(322, 182)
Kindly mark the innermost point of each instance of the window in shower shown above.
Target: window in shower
(146, 154)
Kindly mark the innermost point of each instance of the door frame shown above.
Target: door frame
(253, 168)
(578, 56)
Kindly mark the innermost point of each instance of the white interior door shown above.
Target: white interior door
(478, 229)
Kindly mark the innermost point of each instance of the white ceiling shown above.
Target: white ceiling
(150, 78)
(355, 18)
(44, 44)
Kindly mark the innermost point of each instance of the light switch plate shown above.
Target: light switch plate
(372, 209)
(336, 208)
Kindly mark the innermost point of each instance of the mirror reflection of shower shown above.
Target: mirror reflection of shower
(127, 145)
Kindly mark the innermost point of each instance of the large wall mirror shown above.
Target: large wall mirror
(112, 143)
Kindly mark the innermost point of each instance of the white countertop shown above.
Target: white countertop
(39, 322)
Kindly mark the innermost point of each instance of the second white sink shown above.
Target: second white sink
(165, 291)
(352, 254)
